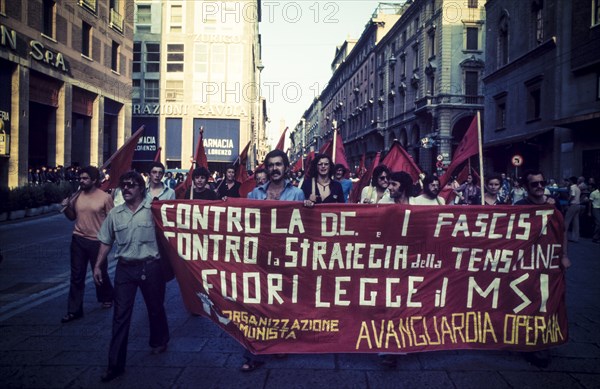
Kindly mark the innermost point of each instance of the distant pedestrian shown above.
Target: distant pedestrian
(89, 208)
(132, 227)
(573, 210)
(594, 210)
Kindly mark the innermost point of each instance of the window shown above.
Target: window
(502, 54)
(431, 44)
(416, 57)
(90, 5)
(2, 7)
(135, 96)
(114, 58)
(175, 58)
(48, 18)
(500, 111)
(151, 91)
(174, 90)
(152, 57)
(176, 19)
(534, 98)
(537, 18)
(473, 4)
(595, 12)
(144, 18)
(472, 38)
(86, 39)
(471, 87)
(116, 14)
(137, 57)
(431, 85)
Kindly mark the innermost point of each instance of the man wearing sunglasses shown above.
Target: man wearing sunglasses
(131, 226)
(377, 192)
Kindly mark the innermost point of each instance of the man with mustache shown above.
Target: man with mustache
(431, 189)
(88, 207)
(131, 226)
(278, 187)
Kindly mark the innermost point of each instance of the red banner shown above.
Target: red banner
(282, 278)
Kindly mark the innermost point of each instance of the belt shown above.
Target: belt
(134, 262)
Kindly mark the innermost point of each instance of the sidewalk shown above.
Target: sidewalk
(39, 352)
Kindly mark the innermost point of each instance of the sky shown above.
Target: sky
(299, 39)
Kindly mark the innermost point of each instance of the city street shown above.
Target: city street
(40, 352)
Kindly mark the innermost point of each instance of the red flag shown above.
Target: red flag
(157, 156)
(281, 140)
(297, 166)
(468, 146)
(340, 152)
(365, 180)
(200, 160)
(397, 159)
(241, 173)
(307, 162)
(361, 167)
(120, 161)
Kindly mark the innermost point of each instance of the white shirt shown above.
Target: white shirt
(423, 200)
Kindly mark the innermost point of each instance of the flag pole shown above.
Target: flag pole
(333, 152)
(479, 142)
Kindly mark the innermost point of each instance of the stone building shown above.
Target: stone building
(65, 83)
(542, 86)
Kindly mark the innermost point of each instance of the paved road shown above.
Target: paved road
(39, 352)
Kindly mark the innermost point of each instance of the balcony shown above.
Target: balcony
(90, 5)
(444, 99)
(116, 20)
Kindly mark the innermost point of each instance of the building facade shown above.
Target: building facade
(543, 87)
(65, 83)
(198, 66)
(414, 76)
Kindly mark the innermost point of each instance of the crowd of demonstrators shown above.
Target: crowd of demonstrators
(340, 173)
(43, 174)
(469, 192)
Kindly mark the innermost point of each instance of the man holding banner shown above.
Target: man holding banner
(278, 187)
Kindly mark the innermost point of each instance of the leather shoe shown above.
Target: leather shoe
(111, 374)
(159, 349)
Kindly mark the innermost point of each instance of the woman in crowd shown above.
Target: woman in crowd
(493, 183)
(320, 187)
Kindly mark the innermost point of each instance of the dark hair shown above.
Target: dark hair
(135, 177)
(573, 180)
(340, 166)
(524, 180)
(278, 153)
(429, 179)
(93, 172)
(200, 171)
(405, 180)
(232, 167)
(261, 170)
(377, 172)
(157, 164)
(494, 176)
(314, 165)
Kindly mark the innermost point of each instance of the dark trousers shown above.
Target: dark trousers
(128, 277)
(84, 251)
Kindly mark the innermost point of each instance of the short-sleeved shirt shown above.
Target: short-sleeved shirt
(91, 209)
(166, 194)
(595, 198)
(369, 193)
(575, 193)
(423, 200)
(133, 232)
(290, 192)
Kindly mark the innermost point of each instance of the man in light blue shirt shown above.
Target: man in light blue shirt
(157, 189)
(278, 187)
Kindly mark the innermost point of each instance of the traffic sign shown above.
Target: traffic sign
(517, 160)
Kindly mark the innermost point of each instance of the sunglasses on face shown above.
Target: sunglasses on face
(537, 183)
(128, 185)
(383, 178)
